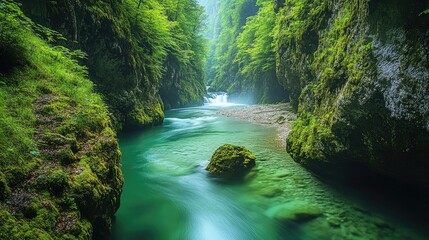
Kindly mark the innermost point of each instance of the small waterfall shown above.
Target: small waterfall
(218, 98)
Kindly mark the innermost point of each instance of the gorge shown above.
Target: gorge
(74, 74)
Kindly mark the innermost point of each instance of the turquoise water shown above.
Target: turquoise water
(168, 194)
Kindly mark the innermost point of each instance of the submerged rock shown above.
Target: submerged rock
(282, 173)
(381, 222)
(271, 191)
(230, 160)
(295, 211)
(334, 221)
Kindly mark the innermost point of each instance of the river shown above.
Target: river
(168, 194)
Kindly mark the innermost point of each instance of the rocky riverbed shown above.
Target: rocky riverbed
(279, 116)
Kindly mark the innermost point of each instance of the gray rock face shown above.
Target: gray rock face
(359, 75)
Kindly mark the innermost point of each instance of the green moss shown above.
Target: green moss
(66, 156)
(296, 41)
(55, 181)
(49, 116)
(311, 139)
(99, 181)
(338, 58)
(146, 115)
(11, 229)
(57, 139)
(57, 108)
(231, 161)
(17, 173)
(4, 187)
(83, 188)
(83, 230)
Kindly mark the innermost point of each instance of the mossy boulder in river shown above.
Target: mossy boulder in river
(230, 160)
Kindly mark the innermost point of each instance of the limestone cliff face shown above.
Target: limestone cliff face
(358, 75)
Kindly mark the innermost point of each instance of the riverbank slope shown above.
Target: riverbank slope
(60, 172)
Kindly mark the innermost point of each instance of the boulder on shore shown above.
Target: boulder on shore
(231, 161)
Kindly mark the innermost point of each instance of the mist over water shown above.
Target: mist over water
(169, 195)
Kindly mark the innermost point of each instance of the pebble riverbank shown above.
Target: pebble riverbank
(279, 116)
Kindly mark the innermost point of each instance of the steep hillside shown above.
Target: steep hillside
(357, 73)
(211, 33)
(134, 49)
(183, 82)
(60, 173)
(243, 61)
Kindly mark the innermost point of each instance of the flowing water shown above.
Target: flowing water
(169, 195)
(216, 99)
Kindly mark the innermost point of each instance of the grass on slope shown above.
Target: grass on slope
(59, 159)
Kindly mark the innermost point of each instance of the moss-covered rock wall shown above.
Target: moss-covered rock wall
(127, 44)
(357, 73)
(60, 173)
(183, 83)
(108, 35)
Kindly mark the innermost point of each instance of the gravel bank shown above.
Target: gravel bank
(279, 116)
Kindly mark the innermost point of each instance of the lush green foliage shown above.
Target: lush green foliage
(183, 83)
(169, 55)
(53, 131)
(256, 57)
(135, 49)
(232, 19)
(211, 33)
(245, 57)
